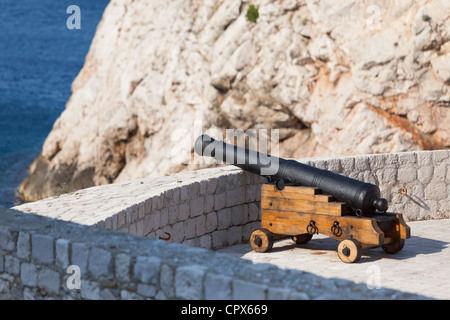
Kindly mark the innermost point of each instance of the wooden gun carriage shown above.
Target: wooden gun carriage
(300, 212)
(302, 200)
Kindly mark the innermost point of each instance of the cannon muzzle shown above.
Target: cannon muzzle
(363, 197)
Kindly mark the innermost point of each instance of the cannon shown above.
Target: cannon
(363, 197)
(299, 201)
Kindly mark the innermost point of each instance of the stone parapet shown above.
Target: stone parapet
(44, 258)
(217, 207)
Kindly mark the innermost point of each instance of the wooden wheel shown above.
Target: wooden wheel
(302, 238)
(349, 250)
(261, 240)
(394, 247)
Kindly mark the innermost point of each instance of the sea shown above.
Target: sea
(43, 44)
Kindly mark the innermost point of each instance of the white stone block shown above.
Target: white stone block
(90, 290)
(440, 155)
(347, 164)
(100, 263)
(141, 210)
(209, 203)
(178, 233)
(234, 235)
(24, 245)
(361, 163)
(223, 218)
(391, 159)
(156, 219)
(278, 293)
(79, 256)
(202, 187)
(406, 175)
(440, 171)
(42, 248)
(121, 220)
(436, 191)
(49, 280)
(211, 222)
(62, 253)
(146, 269)
(12, 265)
(244, 290)
(218, 287)
(28, 274)
(250, 193)
(189, 228)
(183, 211)
(189, 282)
(173, 214)
(407, 158)
(219, 239)
(205, 241)
(425, 174)
(167, 281)
(220, 201)
(389, 176)
(193, 190)
(200, 225)
(240, 215)
(164, 218)
(184, 193)
(131, 214)
(236, 196)
(122, 267)
(253, 212)
(6, 239)
(148, 291)
(424, 158)
(197, 206)
(212, 186)
(148, 206)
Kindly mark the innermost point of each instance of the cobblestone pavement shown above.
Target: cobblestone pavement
(422, 267)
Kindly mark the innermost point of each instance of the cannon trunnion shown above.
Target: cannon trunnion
(300, 201)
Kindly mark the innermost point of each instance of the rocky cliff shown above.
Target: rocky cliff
(335, 77)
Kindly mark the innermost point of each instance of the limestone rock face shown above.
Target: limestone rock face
(335, 77)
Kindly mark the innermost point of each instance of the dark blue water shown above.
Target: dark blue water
(39, 59)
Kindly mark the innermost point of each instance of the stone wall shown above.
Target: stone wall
(40, 258)
(217, 207)
(210, 208)
(424, 174)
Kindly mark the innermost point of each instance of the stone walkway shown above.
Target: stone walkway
(422, 267)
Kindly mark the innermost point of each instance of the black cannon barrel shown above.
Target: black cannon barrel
(359, 195)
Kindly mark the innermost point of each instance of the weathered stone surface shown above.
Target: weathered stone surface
(197, 206)
(147, 269)
(42, 248)
(335, 78)
(28, 274)
(189, 282)
(218, 287)
(48, 279)
(122, 267)
(243, 290)
(6, 240)
(24, 245)
(100, 263)
(79, 256)
(62, 253)
(12, 265)
(441, 66)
